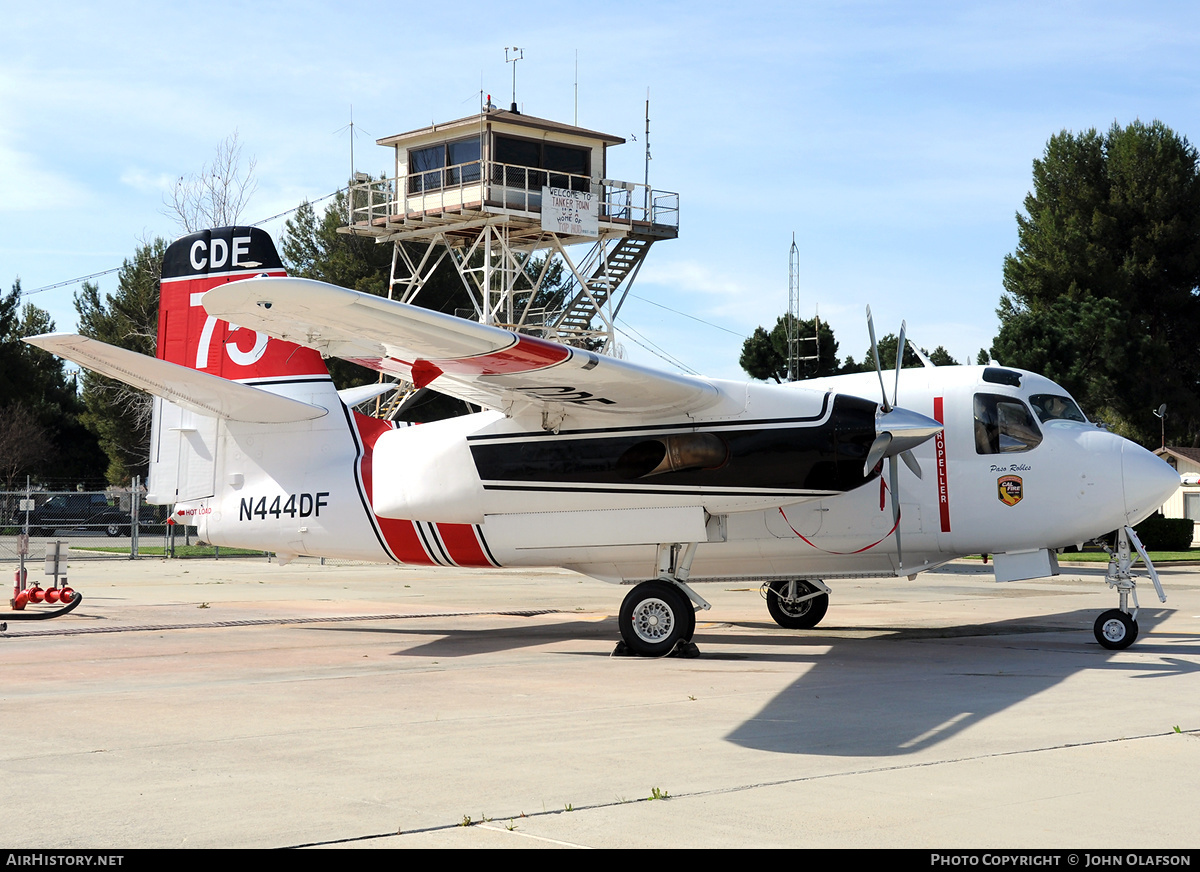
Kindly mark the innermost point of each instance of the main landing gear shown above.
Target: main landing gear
(797, 604)
(1117, 628)
(657, 617)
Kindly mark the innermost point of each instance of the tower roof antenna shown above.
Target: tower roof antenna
(517, 55)
(354, 130)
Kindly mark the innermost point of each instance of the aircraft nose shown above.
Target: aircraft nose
(1147, 481)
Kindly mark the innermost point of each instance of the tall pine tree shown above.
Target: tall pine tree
(1101, 294)
(116, 413)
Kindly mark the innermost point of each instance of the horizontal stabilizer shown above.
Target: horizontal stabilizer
(195, 391)
(353, 396)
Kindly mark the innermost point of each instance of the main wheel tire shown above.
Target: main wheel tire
(1115, 629)
(796, 616)
(112, 530)
(654, 617)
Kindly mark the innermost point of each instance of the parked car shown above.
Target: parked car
(87, 511)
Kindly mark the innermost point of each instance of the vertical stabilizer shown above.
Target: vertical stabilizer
(189, 336)
(184, 445)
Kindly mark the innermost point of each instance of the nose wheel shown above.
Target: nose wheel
(797, 604)
(1115, 629)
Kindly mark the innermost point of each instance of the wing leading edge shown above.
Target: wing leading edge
(195, 391)
(489, 366)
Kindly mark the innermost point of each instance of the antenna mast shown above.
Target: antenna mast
(799, 365)
(517, 55)
(647, 189)
(354, 175)
(792, 325)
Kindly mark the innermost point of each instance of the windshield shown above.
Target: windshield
(1053, 407)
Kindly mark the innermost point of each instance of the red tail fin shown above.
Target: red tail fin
(189, 336)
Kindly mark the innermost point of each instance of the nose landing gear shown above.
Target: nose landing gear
(1117, 628)
(797, 604)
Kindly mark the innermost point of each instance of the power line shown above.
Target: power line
(686, 315)
(656, 350)
(69, 282)
(296, 208)
(76, 281)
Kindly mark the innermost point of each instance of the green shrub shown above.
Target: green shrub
(1165, 534)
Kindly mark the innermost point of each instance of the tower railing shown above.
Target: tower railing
(477, 186)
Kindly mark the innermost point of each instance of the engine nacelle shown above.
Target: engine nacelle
(427, 472)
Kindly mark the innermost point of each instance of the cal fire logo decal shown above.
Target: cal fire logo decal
(1009, 487)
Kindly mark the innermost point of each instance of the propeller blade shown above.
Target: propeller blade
(911, 462)
(875, 354)
(899, 362)
(897, 431)
(878, 450)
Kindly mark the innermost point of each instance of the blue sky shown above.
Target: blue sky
(895, 140)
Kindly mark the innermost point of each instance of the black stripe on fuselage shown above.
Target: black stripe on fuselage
(286, 380)
(689, 427)
(483, 541)
(433, 542)
(675, 492)
(768, 457)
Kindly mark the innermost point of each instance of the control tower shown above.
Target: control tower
(500, 193)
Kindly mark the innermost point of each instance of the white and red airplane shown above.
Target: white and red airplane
(612, 469)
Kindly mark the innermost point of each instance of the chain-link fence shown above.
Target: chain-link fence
(92, 523)
(98, 524)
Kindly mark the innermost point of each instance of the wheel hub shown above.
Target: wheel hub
(794, 608)
(791, 605)
(653, 620)
(1114, 630)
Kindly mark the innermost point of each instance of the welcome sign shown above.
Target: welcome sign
(569, 212)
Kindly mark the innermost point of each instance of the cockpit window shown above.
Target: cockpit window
(1003, 425)
(1053, 407)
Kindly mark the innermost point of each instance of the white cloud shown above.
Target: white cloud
(147, 182)
(27, 186)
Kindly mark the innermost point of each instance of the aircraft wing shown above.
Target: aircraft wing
(489, 366)
(195, 391)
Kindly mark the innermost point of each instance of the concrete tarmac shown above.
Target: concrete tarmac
(234, 703)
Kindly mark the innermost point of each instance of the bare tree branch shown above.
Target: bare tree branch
(23, 443)
(217, 195)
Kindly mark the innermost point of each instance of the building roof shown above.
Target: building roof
(491, 115)
(1191, 455)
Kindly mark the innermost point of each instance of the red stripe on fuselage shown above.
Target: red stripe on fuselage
(939, 443)
(400, 535)
(463, 544)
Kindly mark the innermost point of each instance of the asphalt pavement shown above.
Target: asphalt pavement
(236, 703)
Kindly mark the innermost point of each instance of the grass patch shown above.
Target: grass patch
(181, 551)
(1100, 557)
(1155, 556)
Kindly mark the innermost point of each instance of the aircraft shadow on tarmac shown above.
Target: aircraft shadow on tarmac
(869, 691)
(895, 694)
(458, 642)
